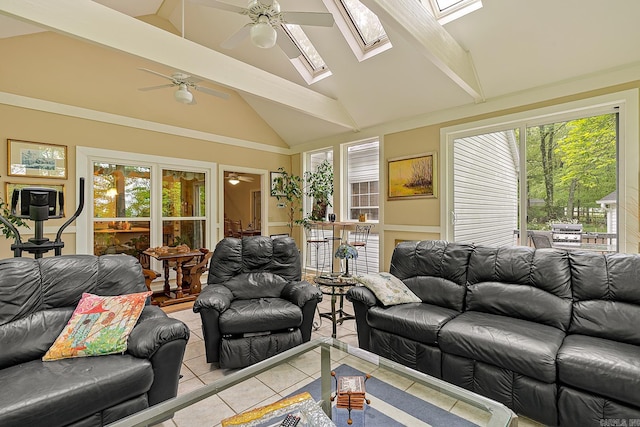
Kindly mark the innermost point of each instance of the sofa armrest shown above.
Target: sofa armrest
(363, 299)
(299, 293)
(215, 297)
(153, 332)
(362, 295)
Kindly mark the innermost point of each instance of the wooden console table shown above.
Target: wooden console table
(181, 294)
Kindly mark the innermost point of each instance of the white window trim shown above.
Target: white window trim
(85, 156)
(628, 153)
(454, 12)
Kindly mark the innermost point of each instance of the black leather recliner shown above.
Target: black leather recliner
(255, 305)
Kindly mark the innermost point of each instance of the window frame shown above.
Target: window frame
(86, 156)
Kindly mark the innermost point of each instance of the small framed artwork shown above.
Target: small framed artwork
(10, 186)
(276, 184)
(412, 177)
(36, 159)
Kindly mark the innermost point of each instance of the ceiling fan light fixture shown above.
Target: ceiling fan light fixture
(233, 180)
(263, 34)
(183, 95)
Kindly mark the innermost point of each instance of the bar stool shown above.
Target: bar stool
(360, 237)
(318, 238)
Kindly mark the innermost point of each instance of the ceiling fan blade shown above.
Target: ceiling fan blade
(285, 43)
(318, 19)
(222, 6)
(211, 92)
(235, 39)
(144, 89)
(245, 178)
(156, 73)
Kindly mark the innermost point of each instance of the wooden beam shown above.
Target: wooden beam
(418, 27)
(93, 22)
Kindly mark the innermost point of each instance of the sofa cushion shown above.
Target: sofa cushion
(604, 367)
(387, 288)
(417, 321)
(30, 337)
(69, 390)
(521, 282)
(274, 313)
(521, 346)
(256, 285)
(99, 325)
(436, 271)
(606, 296)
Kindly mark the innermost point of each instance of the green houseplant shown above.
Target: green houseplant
(17, 222)
(319, 186)
(288, 188)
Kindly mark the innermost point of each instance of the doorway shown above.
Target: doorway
(243, 205)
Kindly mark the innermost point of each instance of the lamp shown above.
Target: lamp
(183, 95)
(263, 34)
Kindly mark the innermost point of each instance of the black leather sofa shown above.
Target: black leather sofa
(37, 298)
(255, 304)
(552, 334)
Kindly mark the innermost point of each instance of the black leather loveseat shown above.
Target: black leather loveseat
(552, 334)
(37, 298)
(255, 304)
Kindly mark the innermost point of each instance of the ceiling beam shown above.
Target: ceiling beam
(93, 22)
(418, 27)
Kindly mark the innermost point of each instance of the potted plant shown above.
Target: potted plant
(288, 187)
(17, 222)
(319, 186)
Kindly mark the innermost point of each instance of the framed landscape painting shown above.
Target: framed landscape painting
(36, 159)
(412, 177)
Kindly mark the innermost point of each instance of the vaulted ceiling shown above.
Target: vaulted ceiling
(506, 47)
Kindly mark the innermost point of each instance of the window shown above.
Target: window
(310, 64)
(560, 168)
(148, 202)
(448, 10)
(360, 27)
(362, 196)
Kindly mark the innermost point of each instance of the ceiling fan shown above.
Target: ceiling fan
(184, 82)
(234, 179)
(265, 26)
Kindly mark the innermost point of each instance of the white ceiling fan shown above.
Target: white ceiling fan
(184, 82)
(234, 178)
(265, 26)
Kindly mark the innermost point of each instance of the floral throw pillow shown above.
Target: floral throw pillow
(99, 325)
(388, 288)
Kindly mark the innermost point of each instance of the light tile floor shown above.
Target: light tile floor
(272, 385)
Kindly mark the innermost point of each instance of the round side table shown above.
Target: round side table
(336, 286)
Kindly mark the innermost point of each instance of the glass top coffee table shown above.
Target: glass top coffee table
(397, 395)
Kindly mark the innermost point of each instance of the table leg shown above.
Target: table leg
(167, 286)
(179, 279)
(333, 315)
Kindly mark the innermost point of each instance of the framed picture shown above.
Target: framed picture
(412, 177)
(10, 186)
(275, 189)
(36, 159)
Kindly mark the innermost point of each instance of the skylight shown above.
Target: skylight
(448, 10)
(366, 23)
(360, 27)
(310, 64)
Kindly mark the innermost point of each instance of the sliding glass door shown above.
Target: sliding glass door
(559, 177)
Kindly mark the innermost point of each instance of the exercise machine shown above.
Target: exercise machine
(40, 204)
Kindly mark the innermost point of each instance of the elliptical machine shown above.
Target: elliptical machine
(40, 204)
